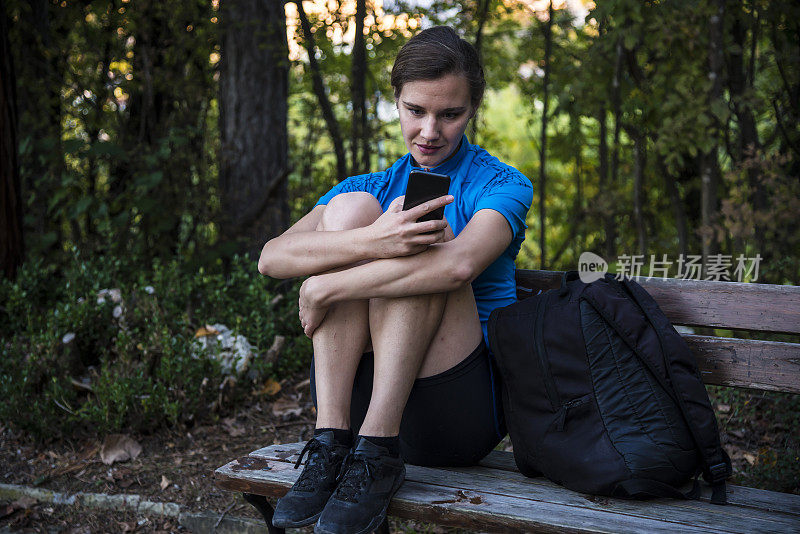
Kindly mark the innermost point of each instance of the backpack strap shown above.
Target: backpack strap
(690, 392)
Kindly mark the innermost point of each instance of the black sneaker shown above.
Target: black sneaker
(304, 502)
(370, 477)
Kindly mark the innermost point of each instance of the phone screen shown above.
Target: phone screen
(424, 186)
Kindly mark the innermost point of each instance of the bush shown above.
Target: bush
(76, 356)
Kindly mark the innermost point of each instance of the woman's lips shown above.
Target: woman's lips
(428, 149)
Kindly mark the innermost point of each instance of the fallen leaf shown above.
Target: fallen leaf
(23, 503)
(164, 483)
(724, 408)
(119, 448)
(271, 387)
(286, 408)
(206, 330)
(128, 526)
(751, 458)
(233, 428)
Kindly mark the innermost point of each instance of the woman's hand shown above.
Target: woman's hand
(312, 312)
(397, 232)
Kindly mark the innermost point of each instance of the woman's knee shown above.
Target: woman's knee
(346, 211)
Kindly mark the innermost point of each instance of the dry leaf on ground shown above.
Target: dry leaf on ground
(206, 330)
(271, 387)
(232, 427)
(165, 482)
(286, 408)
(23, 503)
(119, 448)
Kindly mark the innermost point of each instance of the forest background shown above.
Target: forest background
(153, 147)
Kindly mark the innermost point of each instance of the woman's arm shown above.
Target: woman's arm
(302, 250)
(443, 267)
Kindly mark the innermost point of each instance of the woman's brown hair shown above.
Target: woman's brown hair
(435, 52)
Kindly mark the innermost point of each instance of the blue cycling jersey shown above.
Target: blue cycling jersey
(478, 181)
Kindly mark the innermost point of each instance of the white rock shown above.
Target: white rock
(68, 337)
(149, 290)
(233, 352)
(115, 294)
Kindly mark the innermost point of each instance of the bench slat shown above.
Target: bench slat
(766, 365)
(736, 305)
(448, 496)
(502, 465)
(493, 513)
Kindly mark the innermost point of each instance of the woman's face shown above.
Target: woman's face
(433, 117)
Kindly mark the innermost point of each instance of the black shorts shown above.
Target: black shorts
(452, 418)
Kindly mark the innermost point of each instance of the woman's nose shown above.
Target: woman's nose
(430, 129)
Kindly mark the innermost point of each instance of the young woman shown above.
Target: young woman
(397, 309)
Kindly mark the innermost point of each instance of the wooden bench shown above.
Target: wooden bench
(495, 497)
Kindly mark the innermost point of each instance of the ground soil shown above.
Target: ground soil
(174, 466)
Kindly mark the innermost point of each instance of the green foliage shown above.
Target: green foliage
(74, 357)
(760, 428)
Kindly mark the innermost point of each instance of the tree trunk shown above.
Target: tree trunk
(359, 143)
(548, 45)
(11, 240)
(604, 192)
(671, 185)
(616, 109)
(39, 121)
(322, 96)
(575, 126)
(254, 75)
(709, 163)
(640, 160)
(747, 141)
(482, 8)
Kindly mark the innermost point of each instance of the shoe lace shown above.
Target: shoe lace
(356, 471)
(319, 456)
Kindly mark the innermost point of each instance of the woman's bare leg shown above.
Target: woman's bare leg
(415, 337)
(342, 337)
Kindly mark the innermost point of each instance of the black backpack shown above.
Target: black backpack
(602, 395)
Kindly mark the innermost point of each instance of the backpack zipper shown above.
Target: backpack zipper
(562, 413)
(544, 366)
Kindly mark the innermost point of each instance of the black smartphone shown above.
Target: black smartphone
(424, 186)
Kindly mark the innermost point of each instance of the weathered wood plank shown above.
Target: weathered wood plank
(520, 484)
(768, 365)
(486, 500)
(760, 307)
(502, 462)
(470, 509)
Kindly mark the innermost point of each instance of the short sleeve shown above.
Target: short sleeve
(361, 182)
(510, 193)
